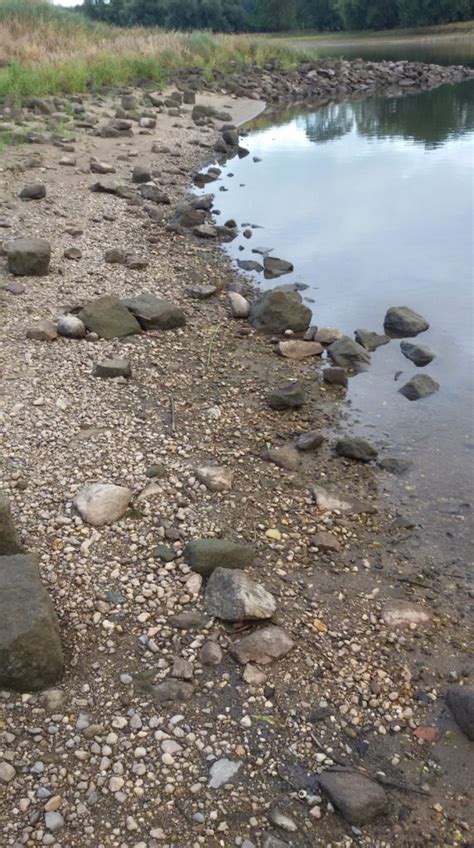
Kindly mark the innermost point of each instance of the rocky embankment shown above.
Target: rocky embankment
(213, 630)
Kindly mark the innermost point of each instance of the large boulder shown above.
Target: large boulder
(109, 318)
(401, 321)
(102, 503)
(460, 700)
(347, 353)
(233, 596)
(29, 257)
(276, 311)
(9, 543)
(205, 555)
(358, 798)
(155, 313)
(31, 655)
(274, 267)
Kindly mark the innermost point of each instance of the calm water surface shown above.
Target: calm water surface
(372, 201)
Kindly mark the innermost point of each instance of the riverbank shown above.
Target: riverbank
(105, 750)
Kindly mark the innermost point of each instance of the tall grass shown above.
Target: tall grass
(47, 50)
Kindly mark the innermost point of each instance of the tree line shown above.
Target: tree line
(278, 15)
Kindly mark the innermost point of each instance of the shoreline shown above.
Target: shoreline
(198, 395)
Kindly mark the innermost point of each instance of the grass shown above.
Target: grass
(46, 50)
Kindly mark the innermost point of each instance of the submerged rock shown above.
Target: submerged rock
(233, 596)
(205, 555)
(354, 448)
(274, 267)
(420, 354)
(395, 465)
(359, 799)
(401, 321)
(419, 387)
(276, 311)
(31, 655)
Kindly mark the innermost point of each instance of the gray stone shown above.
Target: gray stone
(233, 596)
(113, 368)
(31, 656)
(326, 335)
(115, 256)
(395, 465)
(205, 555)
(71, 327)
(239, 305)
(326, 542)
(250, 265)
(73, 253)
(9, 543)
(102, 503)
(7, 772)
(129, 102)
(262, 646)
(280, 819)
(276, 311)
(53, 821)
(370, 340)
(210, 653)
(43, 331)
(155, 313)
(460, 700)
(189, 620)
(29, 257)
(202, 292)
(205, 231)
(231, 137)
(298, 349)
(274, 267)
(358, 799)
(141, 174)
(33, 191)
(182, 669)
(101, 167)
(222, 772)
(165, 553)
(400, 614)
(286, 457)
(109, 318)
(271, 841)
(105, 187)
(310, 441)
(328, 500)
(348, 354)
(401, 321)
(420, 354)
(354, 448)
(172, 690)
(419, 387)
(289, 396)
(216, 478)
(335, 376)
(151, 192)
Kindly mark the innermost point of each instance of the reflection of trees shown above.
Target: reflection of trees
(427, 118)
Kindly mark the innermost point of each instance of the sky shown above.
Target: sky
(67, 2)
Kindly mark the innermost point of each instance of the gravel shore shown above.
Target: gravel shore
(160, 733)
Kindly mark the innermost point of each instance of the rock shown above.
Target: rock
(33, 191)
(205, 555)
(249, 265)
(165, 553)
(326, 542)
(43, 331)
(233, 596)
(460, 700)
(202, 292)
(216, 478)
(285, 457)
(348, 354)
(310, 441)
(223, 771)
(231, 137)
(420, 354)
(210, 653)
(262, 646)
(105, 187)
(297, 349)
(102, 503)
(274, 267)
(335, 376)
(239, 306)
(28, 257)
(182, 669)
(271, 841)
(329, 501)
(289, 396)
(101, 167)
(155, 313)
(113, 368)
(359, 799)
(7, 772)
(394, 465)
(401, 614)
(129, 102)
(172, 690)
(109, 318)
(53, 821)
(276, 311)
(187, 620)
(141, 174)
(71, 327)
(205, 231)
(115, 256)
(68, 161)
(370, 340)
(326, 335)
(280, 819)
(420, 386)
(31, 656)
(9, 543)
(354, 448)
(400, 322)
(151, 192)
(254, 676)
(72, 253)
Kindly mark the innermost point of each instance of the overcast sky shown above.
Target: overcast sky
(67, 2)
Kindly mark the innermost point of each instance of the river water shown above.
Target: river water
(372, 202)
